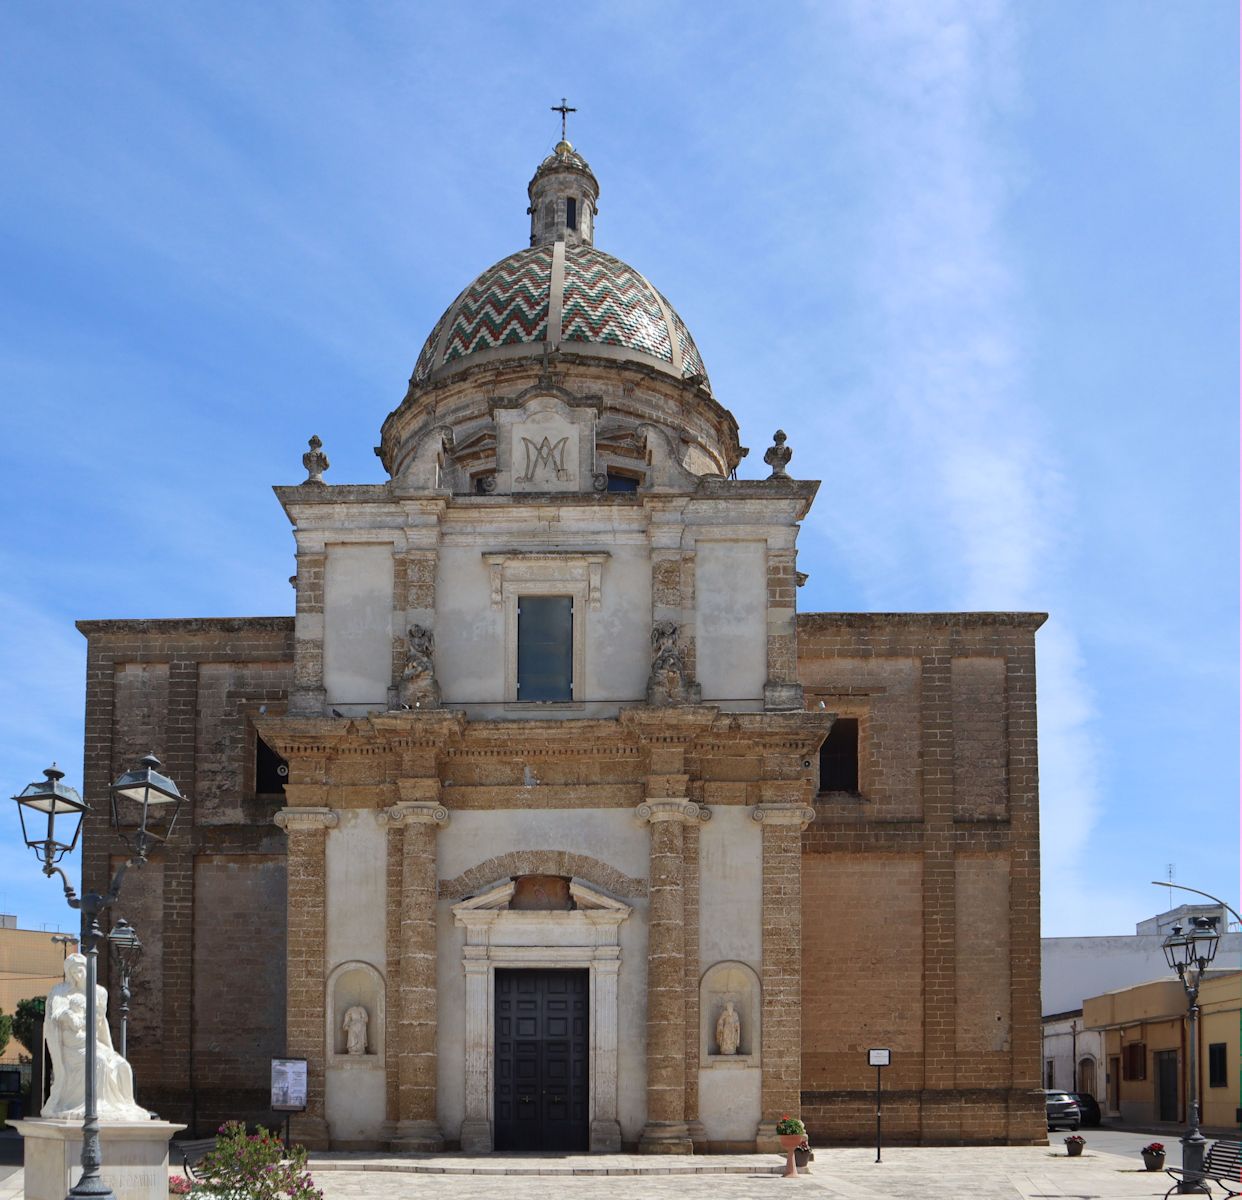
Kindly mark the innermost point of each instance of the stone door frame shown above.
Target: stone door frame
(498, 937)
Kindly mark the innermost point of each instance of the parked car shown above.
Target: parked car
(1088, 1106)
(1062, 1109)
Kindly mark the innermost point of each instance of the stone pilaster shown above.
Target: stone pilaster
(666, 1130)
(307, 829)
(690, 887)
(782, 689)
(309, 696)
(416, 1128)
(781, 826)
(414, 603)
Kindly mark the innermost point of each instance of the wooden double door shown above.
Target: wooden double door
(542, 1072)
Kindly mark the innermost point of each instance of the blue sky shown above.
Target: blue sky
(979, 260)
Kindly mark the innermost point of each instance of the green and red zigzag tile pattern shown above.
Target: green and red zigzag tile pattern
(605, 302)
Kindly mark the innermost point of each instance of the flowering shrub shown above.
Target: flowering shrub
(1153, 1148)
(179, 1185)
(789, 1125)
(255, 1167)
(1073, 1137)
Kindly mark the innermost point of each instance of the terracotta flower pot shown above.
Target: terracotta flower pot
(789, 1143)
(1153, 1162)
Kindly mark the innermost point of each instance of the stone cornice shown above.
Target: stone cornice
(686, 811)
(302, 820)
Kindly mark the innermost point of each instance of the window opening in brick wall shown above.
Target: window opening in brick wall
(1218, 1069)
(618, 482)
(1049, 1073)
(838, 757)
(571, 213)
(1134, 1061)
(545, 648)
(270, 770)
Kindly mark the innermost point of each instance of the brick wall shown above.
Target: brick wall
(187, 690)
(921, 895)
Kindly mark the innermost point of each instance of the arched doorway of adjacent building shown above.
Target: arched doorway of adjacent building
(1086, 1076)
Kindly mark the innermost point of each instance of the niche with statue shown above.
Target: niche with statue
(730, 1005)
(355, 1014)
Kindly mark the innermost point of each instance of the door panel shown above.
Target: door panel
(541, 1067)
(1166, 1084)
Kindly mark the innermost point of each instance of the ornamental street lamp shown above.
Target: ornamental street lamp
(145, 804)
(1189, 954)
(123, 938)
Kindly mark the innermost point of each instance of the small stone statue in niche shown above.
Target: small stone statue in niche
(777, 456)
(419, 688)
(315, 461)
(668, 683)
(355, 1028)
(728, 1029)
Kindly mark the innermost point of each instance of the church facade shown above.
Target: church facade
(547, 822)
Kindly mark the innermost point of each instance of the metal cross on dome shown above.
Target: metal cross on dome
(564, 109)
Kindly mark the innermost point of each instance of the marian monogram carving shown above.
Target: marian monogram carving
(544, 460)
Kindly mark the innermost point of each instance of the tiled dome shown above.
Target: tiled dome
(564, 296)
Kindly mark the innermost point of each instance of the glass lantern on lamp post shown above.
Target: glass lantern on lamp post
(145, 804)
(1189, 954)
(123, 938)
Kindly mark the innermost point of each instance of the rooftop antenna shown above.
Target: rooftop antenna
(564, 109)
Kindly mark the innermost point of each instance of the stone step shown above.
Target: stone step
(541, 1164)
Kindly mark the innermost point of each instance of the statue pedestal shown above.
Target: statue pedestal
(135, 1157)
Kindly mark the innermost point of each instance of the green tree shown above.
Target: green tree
(29, 1014)
(6, 1029)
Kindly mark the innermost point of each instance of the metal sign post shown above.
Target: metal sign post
(878, 1058)
(288, 1088)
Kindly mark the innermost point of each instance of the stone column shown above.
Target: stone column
(304, 981)
(417, 1128)
(605, 1125)
(781, 1060)
(666, 1130)
(782, 689)
(476, 1129)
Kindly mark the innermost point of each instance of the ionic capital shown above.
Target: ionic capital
(300, 820)
(686, 811)
(418, 812)
(783, 814)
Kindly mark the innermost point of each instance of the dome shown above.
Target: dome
(563, 296)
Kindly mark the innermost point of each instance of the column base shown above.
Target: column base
(698, 1136)
(476, 1136)
(605, 1137)
(767, 1141)
(416, 1137)
(665, 1137)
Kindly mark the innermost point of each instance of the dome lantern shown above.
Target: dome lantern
(563, 196)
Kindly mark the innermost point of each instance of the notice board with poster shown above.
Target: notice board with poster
(289, 1085)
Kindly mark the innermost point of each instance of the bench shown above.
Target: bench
(192, 1154)
(1222, 1167)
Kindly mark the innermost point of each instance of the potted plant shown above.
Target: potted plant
(804, 1156)
(1074, 1145)
(1153, 1156)
(792, 1133)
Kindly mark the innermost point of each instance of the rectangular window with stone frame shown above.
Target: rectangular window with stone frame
(838, 758)
(1218, 1065)
(545, 649)
(1134, 1061)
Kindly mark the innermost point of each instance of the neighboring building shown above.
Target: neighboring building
(1076, 967)
(1146, 1046)
(1073, 1055)
(547, 770)
(30, 963)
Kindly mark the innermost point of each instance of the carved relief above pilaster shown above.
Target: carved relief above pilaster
(299, 820)
(783, 814)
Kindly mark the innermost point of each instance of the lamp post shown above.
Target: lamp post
(145, 804)
(123, 938)
(1189, 954)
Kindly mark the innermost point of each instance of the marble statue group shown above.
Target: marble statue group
(64, 1026)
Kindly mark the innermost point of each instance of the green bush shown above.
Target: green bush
(28, 1016)
(255, 1167)
(6, 1029)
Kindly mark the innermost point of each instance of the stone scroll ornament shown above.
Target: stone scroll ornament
(668, 682)
(67, 1038)
(419, 688)
(728, 1029)
(354, 1026)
